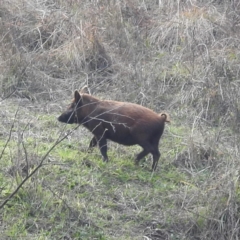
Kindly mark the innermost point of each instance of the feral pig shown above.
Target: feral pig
(122, 122)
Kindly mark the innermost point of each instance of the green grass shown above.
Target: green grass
(78, 186)
(76, 194)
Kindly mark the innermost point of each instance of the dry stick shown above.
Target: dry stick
(38, 167)
(9, 95)
(10, 134)
(25, 151)
(24, 148)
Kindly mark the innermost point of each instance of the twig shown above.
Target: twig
(9, 95)
(25, 150)
(10, 134)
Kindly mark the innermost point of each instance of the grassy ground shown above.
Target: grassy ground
(178, 56)
(74, 195)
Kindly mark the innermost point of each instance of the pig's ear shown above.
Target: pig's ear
(77, 96)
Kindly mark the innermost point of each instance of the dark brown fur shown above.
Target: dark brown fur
(122, 122)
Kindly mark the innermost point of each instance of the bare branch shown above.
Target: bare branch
(10, 134)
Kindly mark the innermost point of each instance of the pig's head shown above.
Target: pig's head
(70, 116)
